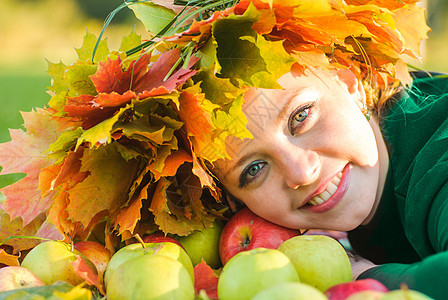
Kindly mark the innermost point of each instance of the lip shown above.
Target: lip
(336, 197)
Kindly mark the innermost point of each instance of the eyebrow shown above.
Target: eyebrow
(283, 115)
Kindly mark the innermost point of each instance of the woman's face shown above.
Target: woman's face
(314, 161)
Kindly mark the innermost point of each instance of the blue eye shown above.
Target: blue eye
(298, 117)
(250, 173)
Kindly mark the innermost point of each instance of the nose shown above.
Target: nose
(300, 167)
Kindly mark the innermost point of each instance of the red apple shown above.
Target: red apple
(97, 253)
(344, 290)
(12, 278)
(246, 231)
(160, 237)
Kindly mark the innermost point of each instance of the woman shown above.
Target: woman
(331, 134)
(318, 162)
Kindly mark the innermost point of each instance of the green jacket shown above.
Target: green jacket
(408, 236)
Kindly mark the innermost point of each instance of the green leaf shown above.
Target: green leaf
(153, 16)
(58, 150)
(86, 50)
(278, 62)
(130, 41)
(238, 58)
(101, 133)
(208, 54)
(217, 90)
(233, 122)
(58, 101)
(57, 73)
(79, 80)
(40, 292)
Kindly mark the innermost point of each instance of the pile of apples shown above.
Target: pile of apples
(246, 258)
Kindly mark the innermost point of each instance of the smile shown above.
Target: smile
(331, 188)
(332, 194)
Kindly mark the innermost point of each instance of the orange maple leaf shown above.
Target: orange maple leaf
(25, 153)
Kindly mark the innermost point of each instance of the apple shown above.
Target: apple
(150, 277)
(246, 231)
(366, 295)
(405, 294)
(343, 290)
(251, 271)
(130, 251)
(319, 260)
(97, 253)
(159, 237)
(204, 244)
(15, 277)
(290, 290)
(51, 261)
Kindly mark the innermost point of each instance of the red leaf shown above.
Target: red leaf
(86, 273)
(110, 76)
(205, 279)
(153, 83)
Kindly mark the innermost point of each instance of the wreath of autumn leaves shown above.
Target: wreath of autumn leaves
(121, 147)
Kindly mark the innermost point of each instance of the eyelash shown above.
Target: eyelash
(243, 178)
(297, 111)
(243, 181)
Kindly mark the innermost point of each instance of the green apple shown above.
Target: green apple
(130, 251)
(249, 272)
(150, 277)
(51, 261)
(290, 290)
(319, 260)
(204, 244)
(405, 294)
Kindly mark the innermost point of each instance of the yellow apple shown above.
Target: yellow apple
(290, 291)
(249, 272)
(319, 260)
(51, 261)
(150, 277)
(131, 251)
(204, 244)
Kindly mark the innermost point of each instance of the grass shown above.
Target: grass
(19, 93)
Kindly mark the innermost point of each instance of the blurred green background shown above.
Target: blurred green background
(34, 31)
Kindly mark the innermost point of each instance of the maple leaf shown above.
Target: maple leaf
(154, 17)
(196, 112)
(25, 153)
(86, 50)
(8, 259)
(238, 58)
(177, 204)
(413, 35)
(85, 272)
(205, 279)
(10, 228)
(130, 41)
(106, 187)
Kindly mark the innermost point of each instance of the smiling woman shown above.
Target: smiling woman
(304, 111)
(306, 157)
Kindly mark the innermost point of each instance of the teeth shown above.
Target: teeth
(331, 188)
(329, 191)
(318, 200)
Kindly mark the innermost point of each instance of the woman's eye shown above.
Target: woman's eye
(251, 172)
(298, 117)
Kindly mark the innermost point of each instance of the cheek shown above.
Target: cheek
(350, 136)
(269, 203)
